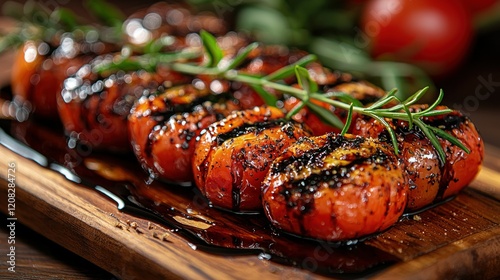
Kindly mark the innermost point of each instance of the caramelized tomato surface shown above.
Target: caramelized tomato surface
(40, 69)
(429, 180)
(164, 127)
(335, 188)
(94, 109)
(234, 155)
(332, 83)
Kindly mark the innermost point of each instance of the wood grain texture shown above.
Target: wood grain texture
(456, 240)
(91, 226)
(39, 258)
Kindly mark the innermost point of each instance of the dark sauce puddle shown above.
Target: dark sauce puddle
(184, 209)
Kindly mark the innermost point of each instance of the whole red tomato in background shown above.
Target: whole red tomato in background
(433, 34)
(478, 6)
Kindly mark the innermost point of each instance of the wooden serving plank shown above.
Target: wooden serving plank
(460, 238)
(91, 226)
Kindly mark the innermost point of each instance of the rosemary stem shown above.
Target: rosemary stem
(191, 69)
(375, 111)
(235, 76)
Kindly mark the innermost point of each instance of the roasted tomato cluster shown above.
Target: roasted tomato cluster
(243, 155)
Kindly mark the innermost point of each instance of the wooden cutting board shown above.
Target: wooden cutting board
(460, 238)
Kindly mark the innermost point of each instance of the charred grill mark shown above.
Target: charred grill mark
(86, 107)
(300, 217)
(368, 99)
(203, 105)
(314, 156)
(204, 166)
(448, 122)
(334, 176)
(187, 135)
(205, 101)
(447, 174)
(436, 176)
(247, 128)
(237, 160)
(299, 193)
(242, 156)
(289, 129)
(319, 201)
(306, 200)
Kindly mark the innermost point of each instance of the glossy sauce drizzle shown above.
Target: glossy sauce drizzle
(185, 211)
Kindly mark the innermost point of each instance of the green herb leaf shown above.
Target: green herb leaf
(155, 46)
(344, 97)
(125, 64)
(296, 109)
(434, 140)
(167, 58)
(435, 104)
(445, 135)
(411, 100)
(408, 113)
(348, 121)
(389, 130)
(289, 70)
(433, 113)
(213, 50)
(384, 100)
(241, 56)
(416, 96)
(268, 98)
(304, 79)
(325, 115)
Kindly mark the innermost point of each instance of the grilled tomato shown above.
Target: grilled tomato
(234, 155)
(335, 188)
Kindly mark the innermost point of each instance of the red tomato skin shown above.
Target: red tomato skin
(37, 78)
(435, 35)
(230, 173)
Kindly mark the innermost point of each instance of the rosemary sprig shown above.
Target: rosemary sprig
(382, 110)
(62, 20)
